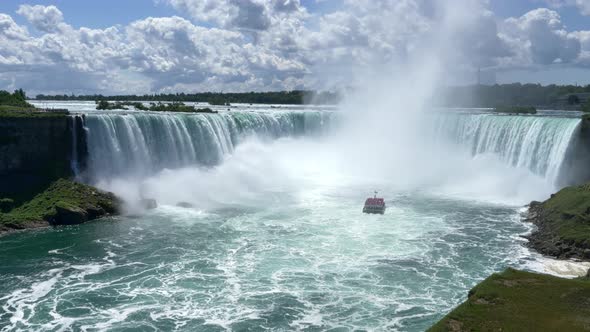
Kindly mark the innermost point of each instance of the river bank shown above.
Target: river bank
(524, 301)
(63, 202)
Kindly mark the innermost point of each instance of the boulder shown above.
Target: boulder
(148, 203)
(185, 205)
(67, 214)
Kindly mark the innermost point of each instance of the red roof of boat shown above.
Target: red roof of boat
(374, 201)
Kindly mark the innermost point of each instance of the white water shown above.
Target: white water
(276, 239)
(538, 144)
(142, 143)
(497, 158)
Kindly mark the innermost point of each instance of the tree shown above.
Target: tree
(573, 100)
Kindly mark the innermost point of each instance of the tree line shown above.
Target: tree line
(499, 95)
(18, 98)
(568, 96)
(215, 98)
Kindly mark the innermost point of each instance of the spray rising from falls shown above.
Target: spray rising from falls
(498, 154)
(140, 144)
(539, 144)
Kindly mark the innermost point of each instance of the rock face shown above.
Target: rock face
(66, 214)
(35, 151)
(64, 202)
(563, 224)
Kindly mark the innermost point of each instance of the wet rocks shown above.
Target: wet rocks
(67, 214)
(562, 224)
(64, 202)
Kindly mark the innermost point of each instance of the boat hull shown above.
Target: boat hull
(374, 210)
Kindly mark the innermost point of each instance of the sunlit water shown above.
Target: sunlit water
(276, 241)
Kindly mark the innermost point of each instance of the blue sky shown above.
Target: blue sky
(186, 45)
(511, 8)
(105, 13)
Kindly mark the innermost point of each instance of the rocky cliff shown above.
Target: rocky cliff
(36, 149)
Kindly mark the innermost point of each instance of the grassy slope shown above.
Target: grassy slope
(568, 215)
(24, 112)
(62, 192)
(522, 301)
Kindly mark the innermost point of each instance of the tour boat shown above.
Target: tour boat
(374, 205)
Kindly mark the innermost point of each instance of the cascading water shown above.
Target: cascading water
(139, 144)
(275, 238)
(536, 143)
(142, 143)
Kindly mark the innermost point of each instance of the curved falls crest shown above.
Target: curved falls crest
(136, 144)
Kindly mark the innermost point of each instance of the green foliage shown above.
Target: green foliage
(516, 109)
(61, 192)
(105, 105)
(137, 105)
(25, 112)
(18, 99)
(586, 107)
(218, 101)
(573, 100)
(522, 301)
(508, 95)
(178, 107)
(154, 107)
(568, 215)
(217, 98)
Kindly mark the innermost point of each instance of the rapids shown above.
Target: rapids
(276, 239)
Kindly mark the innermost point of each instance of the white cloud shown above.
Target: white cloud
(539, 37)
(43, 18)
(582, 5)
(274, 44)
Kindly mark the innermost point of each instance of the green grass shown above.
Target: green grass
(522, 301)
(64, 193)
(154, 107)
(26, 112)
(516, 109)
(568, 215)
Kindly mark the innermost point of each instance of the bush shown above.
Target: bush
(18, 98)
(516, 109)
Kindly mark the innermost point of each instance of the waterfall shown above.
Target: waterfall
(140, 143)
(74, 153)
(538, 143)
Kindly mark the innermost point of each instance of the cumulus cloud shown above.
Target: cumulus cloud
(582, 5)
(540, 37)
(255, 15)
(43, 18)
(245, 45)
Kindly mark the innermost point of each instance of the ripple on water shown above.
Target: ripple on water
(290, 267)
